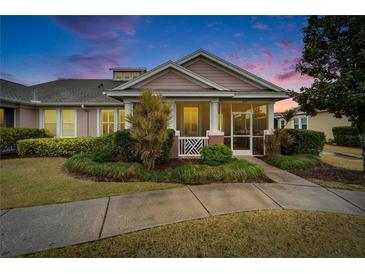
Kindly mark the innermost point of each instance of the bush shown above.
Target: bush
(105, 154)
(235, 171)
(346, 136)
(216, 154)
(62, 146)
(9, 136)
(304, 142)
(124, 144)
(294, 161)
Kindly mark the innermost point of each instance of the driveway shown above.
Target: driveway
(28, 230)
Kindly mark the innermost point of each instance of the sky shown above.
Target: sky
(37, 49)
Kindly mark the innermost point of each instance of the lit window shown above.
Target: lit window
(121, 119)
(135, 75)
(50, 121)
(282, 123)
(296, 123)
(107, 121)
(117, 75)
(68, 123)
(304, 122)
(191, 121)
(127, 75)
(2, 117)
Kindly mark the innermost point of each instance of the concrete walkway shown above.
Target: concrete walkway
(28, 230)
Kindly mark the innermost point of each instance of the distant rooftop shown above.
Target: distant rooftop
(133, 69)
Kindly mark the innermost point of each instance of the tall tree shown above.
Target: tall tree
(149, 124)
(334, 55)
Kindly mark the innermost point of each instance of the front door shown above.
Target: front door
(241, 133)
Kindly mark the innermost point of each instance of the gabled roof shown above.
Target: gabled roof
(254, 78)
(170, 65)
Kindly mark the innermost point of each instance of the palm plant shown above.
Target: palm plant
(149, 123)
(288, 115)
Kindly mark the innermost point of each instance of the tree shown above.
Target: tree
(334, 56)
(149, 124)
(288, 115)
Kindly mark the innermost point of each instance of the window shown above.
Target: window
(50, 121)
(282, 123)
(2, 123)
(107, 121)
(121, 119)
(68, 123)
(191, 115)
(304, 122)
(127, 75)
(296, 123)
(135, 74)
(117, 75)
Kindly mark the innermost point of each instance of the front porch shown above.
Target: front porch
(242, 126)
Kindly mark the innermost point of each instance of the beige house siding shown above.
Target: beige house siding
(219, 75)
(324, 122)
(27, 117)
(86, 122)
(171, 80)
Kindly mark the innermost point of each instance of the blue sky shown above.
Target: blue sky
(36, 49)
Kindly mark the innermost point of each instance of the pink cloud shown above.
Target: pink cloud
(291, 26)
(260, 26)
(284, 44)
(289, 77)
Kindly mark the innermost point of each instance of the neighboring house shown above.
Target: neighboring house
(213, 101)
(323, 121)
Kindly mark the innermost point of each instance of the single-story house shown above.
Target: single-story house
(323, 121)
(213, 101)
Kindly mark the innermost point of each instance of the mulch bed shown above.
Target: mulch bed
(329, 173)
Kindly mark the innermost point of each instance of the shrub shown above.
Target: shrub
(294, 161)
(304, 142)
(105, 154)
(124, 144)
(9, 136)
(346, 136)
(216, 154)
(61, 146)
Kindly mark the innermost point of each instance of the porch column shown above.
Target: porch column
(215, 135)
(270, 112)
(173, 116)
(128, 109)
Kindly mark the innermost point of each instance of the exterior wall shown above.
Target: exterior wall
(171, 80)
(219, 76)
(27, 117)
(324, 122)
(86, 122)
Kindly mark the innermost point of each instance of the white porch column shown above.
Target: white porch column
(214, 116)
(172, 123)
(270, 112)
(128, 109)
(116, 119)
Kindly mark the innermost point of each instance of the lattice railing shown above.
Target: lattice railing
(191, 146)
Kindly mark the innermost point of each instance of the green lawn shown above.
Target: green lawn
(251, 234)
(351, 151)
(38, 181)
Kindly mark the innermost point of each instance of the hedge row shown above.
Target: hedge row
(304, 142)
(234, 171)
(62, 146)
(10, 136)
(346, 136)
